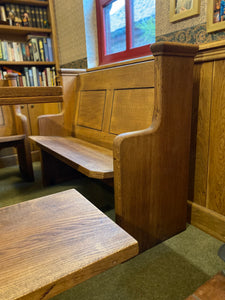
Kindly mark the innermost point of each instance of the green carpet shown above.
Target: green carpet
(171, 270)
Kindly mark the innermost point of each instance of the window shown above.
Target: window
(126, 28)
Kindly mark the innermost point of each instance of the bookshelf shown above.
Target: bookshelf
(12, 34)
(19, 34)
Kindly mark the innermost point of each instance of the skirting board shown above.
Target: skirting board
(207, 220)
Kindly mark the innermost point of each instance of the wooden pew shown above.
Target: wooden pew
(117, 135)
(20, 140)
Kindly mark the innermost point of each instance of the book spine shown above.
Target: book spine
(11, 52)
(26, 72)
(27, 50)
(41, 17)
(5, 50)
(34, 73)
(45, 18)
(44, 78)
(15, 51)
(50, 54)
(23, 49)
(48, 73)
(20, 51)
(2, 13)
(41, 49)
(33, 16)
(31, 77)
(45, 45)
(35, 48)
(36, 9)
(30, 45)
(1, 52)
(24, 80)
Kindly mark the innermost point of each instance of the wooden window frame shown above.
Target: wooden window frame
(130, 52)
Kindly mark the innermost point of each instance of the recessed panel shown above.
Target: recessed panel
(132, 110)
(91, 109)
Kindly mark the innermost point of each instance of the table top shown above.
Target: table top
(52, 243)
(30, 95)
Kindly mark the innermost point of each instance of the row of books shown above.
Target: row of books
(35, 49)
(24, 15)
(32, 76)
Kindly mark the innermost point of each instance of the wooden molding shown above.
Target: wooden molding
(211, 51)
(206, 220)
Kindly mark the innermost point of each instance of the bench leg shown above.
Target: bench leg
(25, 160)
(55, 171)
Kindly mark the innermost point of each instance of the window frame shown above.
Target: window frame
(130, 52)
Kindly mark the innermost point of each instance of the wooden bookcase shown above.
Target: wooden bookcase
(19, 34)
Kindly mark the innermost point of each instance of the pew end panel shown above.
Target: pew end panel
(151, 167)
(51, 125)
(62, 124)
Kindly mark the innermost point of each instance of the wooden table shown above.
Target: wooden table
(52, 243)
(29, 95)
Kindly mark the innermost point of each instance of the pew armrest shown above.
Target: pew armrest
(51, 124)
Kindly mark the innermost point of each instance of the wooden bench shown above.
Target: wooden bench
(19, 140)
(52, 243)
(116, 134)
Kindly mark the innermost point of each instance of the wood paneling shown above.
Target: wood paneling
(207, 211)
(119, 78)
(203, 126)
(91, 109)
(216, 180)
(132, 110)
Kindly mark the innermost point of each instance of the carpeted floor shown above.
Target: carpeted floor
(171, 270)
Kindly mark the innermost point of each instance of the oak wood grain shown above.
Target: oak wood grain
(204, 94)
(213, 289)
(151, 166)
(216, 176)
(91, 160)
(151, 163)
(207, 220)
(55, 242)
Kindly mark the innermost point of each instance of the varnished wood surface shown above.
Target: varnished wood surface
(202, 94)
(29, 95)
(208, 207)
(18, 137)
(52, 243)
(89, 159)
(216, 166)
(213, 289)
(151, 166)
(151, 160)
(207, 220)
(19, 141)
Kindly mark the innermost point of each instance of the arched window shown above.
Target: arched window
(126, 28)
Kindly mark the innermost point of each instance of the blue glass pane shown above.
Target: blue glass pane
(143, 25)
(115, 26)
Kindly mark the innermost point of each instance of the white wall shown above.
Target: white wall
(91, 32)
